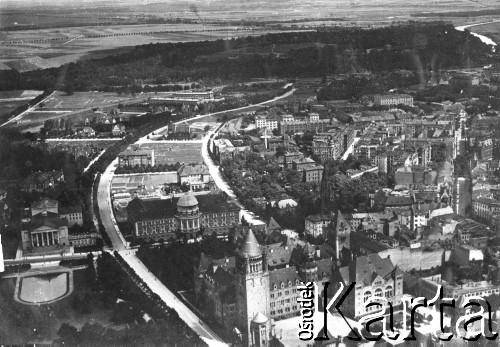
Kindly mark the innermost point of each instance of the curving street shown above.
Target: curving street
(119, 243)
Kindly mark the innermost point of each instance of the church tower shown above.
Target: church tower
(340, 237)
(252, 293)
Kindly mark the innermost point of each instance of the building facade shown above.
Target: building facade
(393, 100)
(140, 157)
(185, 217)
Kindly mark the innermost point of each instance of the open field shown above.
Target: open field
(60, 101)
(171, 153)
(11, 100)
(32, 49)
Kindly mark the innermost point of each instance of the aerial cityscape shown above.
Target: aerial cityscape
(250, 173)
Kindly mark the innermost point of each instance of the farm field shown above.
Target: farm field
(27, 50)
(60, 101)
(171, 153)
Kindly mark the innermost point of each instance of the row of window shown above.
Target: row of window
(286, 292)
(286, 310)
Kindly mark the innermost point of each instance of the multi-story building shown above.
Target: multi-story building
(313, 173)
(316, 224)
(486, 149)
(182, 217)
(485, 208)
(373, 276)
(312, 122)
(393, 99)
(333, 144)
(132, 157)
(269, 122)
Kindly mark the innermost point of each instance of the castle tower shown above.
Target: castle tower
(252, 293)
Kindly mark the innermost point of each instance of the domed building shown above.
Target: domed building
(188, 215)
(182, 218)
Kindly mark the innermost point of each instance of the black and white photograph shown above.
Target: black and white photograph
(250, 173)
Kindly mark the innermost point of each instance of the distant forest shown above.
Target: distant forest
(416, 47)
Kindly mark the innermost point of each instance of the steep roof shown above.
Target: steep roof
(51, 220)
(365, 269)
(45, 204)
(192, 170)
(250, 247)
(285, 275)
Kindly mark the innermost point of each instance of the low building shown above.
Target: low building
(42, 180)
(73, 214)
(118, 129)
(136, 157)
(83, 239)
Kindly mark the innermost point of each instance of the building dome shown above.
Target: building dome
(187, 200)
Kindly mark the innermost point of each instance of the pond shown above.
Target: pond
(45, 288)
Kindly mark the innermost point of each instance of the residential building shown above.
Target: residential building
(333, 144)
(315, 225)
(41, 181)
(73, 214)
(485, 208)
(118, 129)
(194, 175)
(313, 173)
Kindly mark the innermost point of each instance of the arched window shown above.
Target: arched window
(367, 295)
(378, 292)
(282, 285)
(389, 292)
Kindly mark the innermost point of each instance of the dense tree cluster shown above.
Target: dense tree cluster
(143, 169)
(416, 47)
(173, 263)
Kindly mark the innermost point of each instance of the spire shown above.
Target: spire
(250, 247)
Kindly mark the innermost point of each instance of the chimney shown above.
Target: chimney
(318, 252)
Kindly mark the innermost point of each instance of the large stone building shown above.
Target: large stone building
(373, 276)
(46, 227)
(246, 292)
(185, 217)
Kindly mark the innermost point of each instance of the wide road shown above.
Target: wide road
(219, 181)
(105, 208)
(171, 300)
